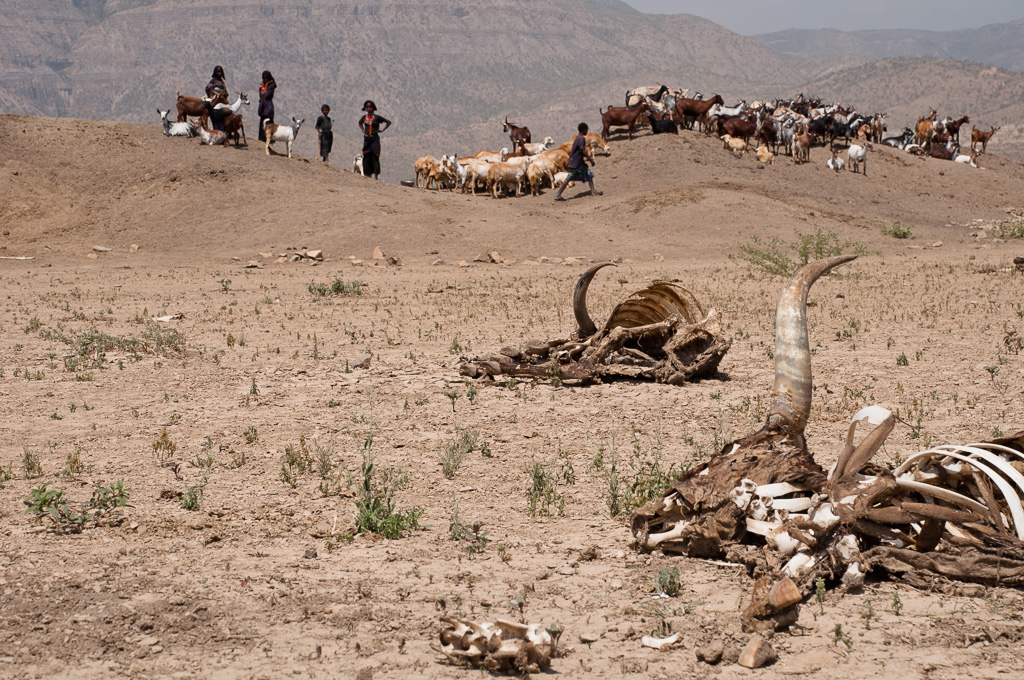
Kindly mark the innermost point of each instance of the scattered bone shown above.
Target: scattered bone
(169, 317)
(956, 511)
(660, 333)
(500, 646)
(102, 249)
(661, 644)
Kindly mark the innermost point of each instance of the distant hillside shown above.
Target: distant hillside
(1000, 45)
(445, 71)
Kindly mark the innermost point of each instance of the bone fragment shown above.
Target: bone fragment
(854, 576)
(660, 644)
(798, 567)
(654, 540)
(777, 489)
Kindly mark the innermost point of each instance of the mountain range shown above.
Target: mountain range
(447, 72)
(999, 45)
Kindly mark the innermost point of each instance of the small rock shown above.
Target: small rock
(378, 254)
(615, 584)
(357, 263)
(236, 259)
(102, 249)
(590, 554)
(362, 361)
(495, 256)
(971, 590)
(659, 257)
(149, 641)
(254, 265)
(133, 248)
(757, 653)
(566, 571)
(589, 638)
(266, 256)
(711, 653)
(464, 264)
(295, 257)
(435, 263)
(394, 261)
(281, 259)
(317, 255)
(310, 554)
(481, 258)
(91, 256)
(937, 244)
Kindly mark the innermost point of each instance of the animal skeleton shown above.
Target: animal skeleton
(951, 510)
(660, 333)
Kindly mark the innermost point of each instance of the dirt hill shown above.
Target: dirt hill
(74, 184)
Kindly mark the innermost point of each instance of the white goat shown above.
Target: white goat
(858, 156)
(967, 160)
(535, 148)
(282, 133)
(357, 165)
(173, 129)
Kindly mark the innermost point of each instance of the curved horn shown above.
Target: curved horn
(791, 394)
(579, 299)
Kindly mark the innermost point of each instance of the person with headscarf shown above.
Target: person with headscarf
(216, 84)
(370, 125)
(266, 108)
(323, 130)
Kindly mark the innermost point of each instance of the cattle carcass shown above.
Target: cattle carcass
(660, 333)
(951, 510)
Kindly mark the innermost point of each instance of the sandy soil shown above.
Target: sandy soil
(263, 580)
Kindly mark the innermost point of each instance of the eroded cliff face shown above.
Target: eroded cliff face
(95, 59)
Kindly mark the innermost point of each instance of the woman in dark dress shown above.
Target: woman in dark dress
(266, 109)
(370, 125)
(216, 82)
(323, 129)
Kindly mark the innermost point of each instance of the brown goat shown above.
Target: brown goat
(981, 136)
(622, 116)
(517, 134)
(197, 108)
(688, 110)
(924, 128)
(233, 127)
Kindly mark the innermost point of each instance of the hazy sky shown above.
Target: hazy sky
(749, 17)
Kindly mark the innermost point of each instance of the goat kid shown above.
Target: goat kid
(174, 129)
(282, 133)
(212, 137)
(835, 162)
(764, 155)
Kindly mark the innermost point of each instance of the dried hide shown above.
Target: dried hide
(951, 510)
(660, 333)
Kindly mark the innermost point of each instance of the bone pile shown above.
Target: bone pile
(660, 333)
(950, 510)
(503, 645)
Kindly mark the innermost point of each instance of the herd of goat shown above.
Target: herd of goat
(790, 126)
(230, 120)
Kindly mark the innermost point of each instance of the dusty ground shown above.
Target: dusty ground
(263, 580)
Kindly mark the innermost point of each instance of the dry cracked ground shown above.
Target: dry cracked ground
(242, 431)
